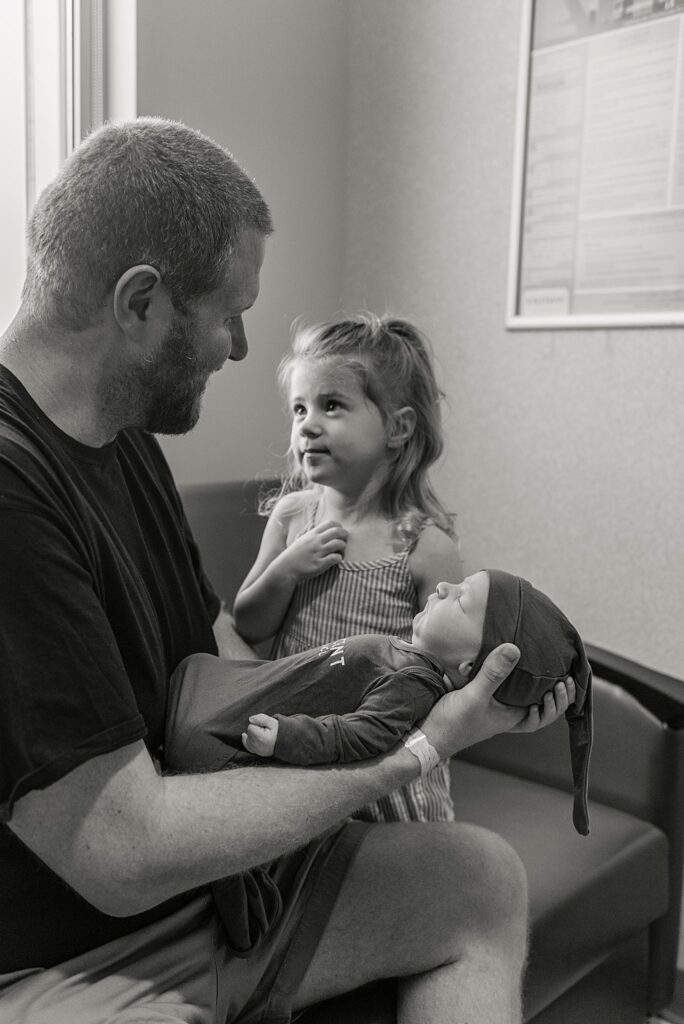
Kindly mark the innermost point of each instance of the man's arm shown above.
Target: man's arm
(127, 838)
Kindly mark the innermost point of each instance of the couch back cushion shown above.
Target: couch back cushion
(628, 761)
(227, 528)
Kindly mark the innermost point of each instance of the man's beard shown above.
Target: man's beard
(172, 383)
(167, 390)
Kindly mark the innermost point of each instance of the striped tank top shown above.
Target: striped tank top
(375, 596)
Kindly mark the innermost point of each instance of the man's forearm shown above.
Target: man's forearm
(126, 838)
(217, 824)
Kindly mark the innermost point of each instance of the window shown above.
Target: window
(51, 94)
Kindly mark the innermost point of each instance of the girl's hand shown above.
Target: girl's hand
(261, 735)
(467, 716)
(316, 550)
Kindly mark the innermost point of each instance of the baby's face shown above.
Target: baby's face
(451, 623)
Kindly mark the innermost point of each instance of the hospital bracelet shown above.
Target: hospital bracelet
(419, 745)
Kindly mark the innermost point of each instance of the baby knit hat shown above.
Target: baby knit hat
(550, 650)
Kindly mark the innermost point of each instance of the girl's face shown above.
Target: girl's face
(338, 434)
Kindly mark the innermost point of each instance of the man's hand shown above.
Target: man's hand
(467, 716)
(261, 735)
(556, 703)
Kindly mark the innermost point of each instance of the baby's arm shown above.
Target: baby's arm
(267, 590)
(434, 559)
(261, 735)
(388, 710)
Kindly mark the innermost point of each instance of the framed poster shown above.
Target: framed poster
(597, 234)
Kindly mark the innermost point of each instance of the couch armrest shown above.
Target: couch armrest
(663, 695)
(638, 737)
(637, 766)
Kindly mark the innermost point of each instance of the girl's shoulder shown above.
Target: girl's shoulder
(435, 556)
(294, 509)
(430, 537)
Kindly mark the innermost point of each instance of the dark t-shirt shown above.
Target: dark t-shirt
(102, 594)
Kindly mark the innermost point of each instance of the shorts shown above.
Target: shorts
(178, 970)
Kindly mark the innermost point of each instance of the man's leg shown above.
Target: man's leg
(444, 907)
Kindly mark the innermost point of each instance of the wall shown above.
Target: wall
(386, 156)
(389, 179)
(563, 460)
(267, 81)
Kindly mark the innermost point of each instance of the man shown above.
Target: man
(143, 256)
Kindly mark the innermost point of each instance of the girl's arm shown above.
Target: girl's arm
(434, 559)
(264, 597)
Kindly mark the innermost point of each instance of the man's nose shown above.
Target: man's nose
(238, 338)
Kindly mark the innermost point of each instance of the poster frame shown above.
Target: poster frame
(514, 319)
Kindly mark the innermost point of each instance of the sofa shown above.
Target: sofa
(604, 909)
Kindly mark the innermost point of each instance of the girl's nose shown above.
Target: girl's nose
(442, 590)
(309, 425)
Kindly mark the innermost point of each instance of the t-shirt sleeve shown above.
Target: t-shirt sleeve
(64, 692)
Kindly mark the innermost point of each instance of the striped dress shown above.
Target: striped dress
(376, 596)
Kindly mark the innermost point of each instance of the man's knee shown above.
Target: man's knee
(419, 896)
(476, 878)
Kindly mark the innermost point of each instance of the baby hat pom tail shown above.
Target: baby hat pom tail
(580, 726)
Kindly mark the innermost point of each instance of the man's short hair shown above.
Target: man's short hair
(149, 191)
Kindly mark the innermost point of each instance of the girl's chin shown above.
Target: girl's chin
(317, 474)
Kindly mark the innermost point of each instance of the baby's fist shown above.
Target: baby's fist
(261, 735)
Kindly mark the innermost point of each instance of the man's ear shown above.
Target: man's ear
(403, 425)
(139, 293)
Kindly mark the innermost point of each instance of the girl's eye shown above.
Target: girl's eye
(298, 410)
(331, 405)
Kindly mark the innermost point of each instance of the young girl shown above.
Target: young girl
(356, 540)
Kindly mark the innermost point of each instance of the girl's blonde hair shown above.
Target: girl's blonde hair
(392, 361)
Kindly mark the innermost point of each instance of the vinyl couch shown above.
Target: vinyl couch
(604, 909)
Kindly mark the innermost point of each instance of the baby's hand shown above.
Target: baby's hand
(316, 550)
(261, 735)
